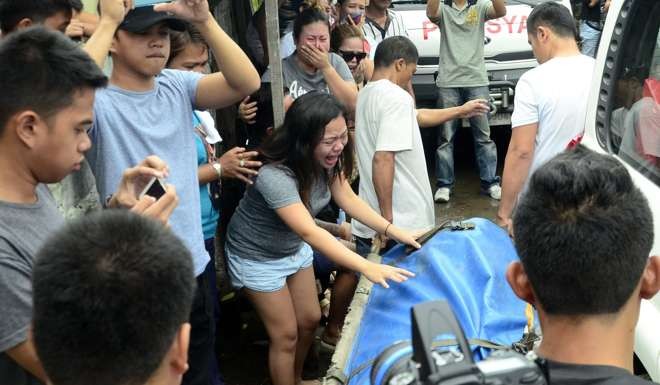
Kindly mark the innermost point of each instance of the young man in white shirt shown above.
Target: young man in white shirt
(393, 176)
(550, 103)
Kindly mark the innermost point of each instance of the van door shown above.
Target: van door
(623, 119)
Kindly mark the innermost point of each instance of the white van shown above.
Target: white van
(623, 119)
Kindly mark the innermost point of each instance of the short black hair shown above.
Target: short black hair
(555, 16)
(584, 233)
(394, 48)
(41, 70)
(13, 11)
(111, 290)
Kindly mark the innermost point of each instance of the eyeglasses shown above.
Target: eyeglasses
(349, 55)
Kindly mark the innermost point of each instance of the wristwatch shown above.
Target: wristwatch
(218, 169)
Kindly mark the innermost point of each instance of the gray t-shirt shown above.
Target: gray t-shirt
(299, 82)
(462, 45)
(23, 229)
(256, 231)
(129, 126)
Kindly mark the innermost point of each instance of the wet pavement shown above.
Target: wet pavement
(242, 340)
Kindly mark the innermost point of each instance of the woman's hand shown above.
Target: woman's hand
(314, 56)
(380, 274)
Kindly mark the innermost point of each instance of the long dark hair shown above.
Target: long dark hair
(293, 144)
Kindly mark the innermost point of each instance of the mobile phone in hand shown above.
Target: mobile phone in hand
(144, 3)
(155, 188)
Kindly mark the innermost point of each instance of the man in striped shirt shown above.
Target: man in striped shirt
(382, 22)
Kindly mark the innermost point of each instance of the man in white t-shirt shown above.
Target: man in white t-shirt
(550, 103)
(393, 176)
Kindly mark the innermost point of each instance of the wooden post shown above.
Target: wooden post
(275, 61)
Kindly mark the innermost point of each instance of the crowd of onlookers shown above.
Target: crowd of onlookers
(111, 185)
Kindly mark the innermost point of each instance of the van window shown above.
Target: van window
(630, 93)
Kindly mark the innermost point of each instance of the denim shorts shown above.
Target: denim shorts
(266, 275)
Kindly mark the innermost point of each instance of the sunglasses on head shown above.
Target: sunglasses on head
(349, 55)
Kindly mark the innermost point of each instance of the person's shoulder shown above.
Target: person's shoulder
(394, 14)
(574, 374)
(272, 177)
(176, 76)
(289, 63)
(374, 89)
(534, 73)
(273, 171)
(587, 61)
(335, 60)
(387, 95)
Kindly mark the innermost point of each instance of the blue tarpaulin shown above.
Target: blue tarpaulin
(465, 268)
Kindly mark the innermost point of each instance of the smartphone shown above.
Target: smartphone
(155, 188)
(144, 3)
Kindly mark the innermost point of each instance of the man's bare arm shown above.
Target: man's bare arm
(383, 179)
(516, 168)
(112, 14)
(436, 116)
(497, 10)
(25, 355)
(433, 10)
(236, 77)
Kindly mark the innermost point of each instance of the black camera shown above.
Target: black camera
(429, 361)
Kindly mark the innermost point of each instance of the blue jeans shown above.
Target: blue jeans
(590, 38)
(484, 147)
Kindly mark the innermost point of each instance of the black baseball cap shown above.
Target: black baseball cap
(142, 18)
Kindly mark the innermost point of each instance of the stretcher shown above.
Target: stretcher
(465, 267)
